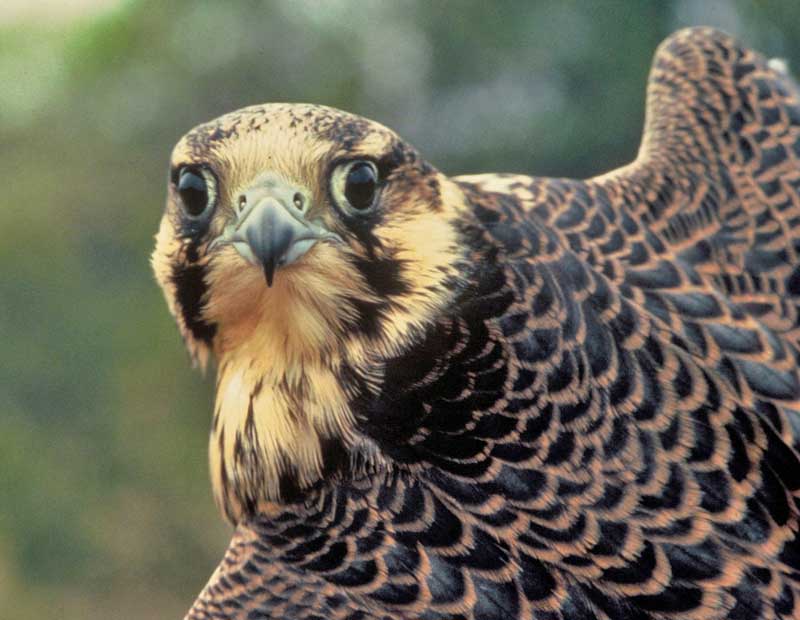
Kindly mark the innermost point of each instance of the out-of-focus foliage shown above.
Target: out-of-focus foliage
(105, 509)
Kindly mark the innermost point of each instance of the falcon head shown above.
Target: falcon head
(300, 246)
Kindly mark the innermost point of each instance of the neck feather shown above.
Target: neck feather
(282, 417)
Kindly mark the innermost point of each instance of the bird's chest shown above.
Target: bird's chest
(273, 431)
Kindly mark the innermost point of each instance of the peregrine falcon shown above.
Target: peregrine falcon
(499, 396)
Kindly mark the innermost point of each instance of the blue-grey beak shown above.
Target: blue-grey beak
(271, 228)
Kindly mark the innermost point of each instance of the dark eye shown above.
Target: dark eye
(360, 185)
(354, 186)
(195, 187)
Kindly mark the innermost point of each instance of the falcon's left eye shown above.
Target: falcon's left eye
(354, 186)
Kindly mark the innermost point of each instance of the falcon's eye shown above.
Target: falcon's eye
(195, 187)
(354, 186)
(360, 185)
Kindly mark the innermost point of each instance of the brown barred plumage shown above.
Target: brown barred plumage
(513, 397)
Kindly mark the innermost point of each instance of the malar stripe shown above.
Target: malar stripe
(384, 275)
(190, 290)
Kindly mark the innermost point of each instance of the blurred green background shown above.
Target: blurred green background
(105, 506)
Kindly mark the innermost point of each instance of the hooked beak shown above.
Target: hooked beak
(271, 228)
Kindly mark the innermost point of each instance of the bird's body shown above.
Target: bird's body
(496, 396)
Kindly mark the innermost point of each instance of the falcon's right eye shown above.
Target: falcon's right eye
(195, 186)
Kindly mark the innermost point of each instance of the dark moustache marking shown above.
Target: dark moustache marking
(190, 290)
(384, 275)
(368, 317)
